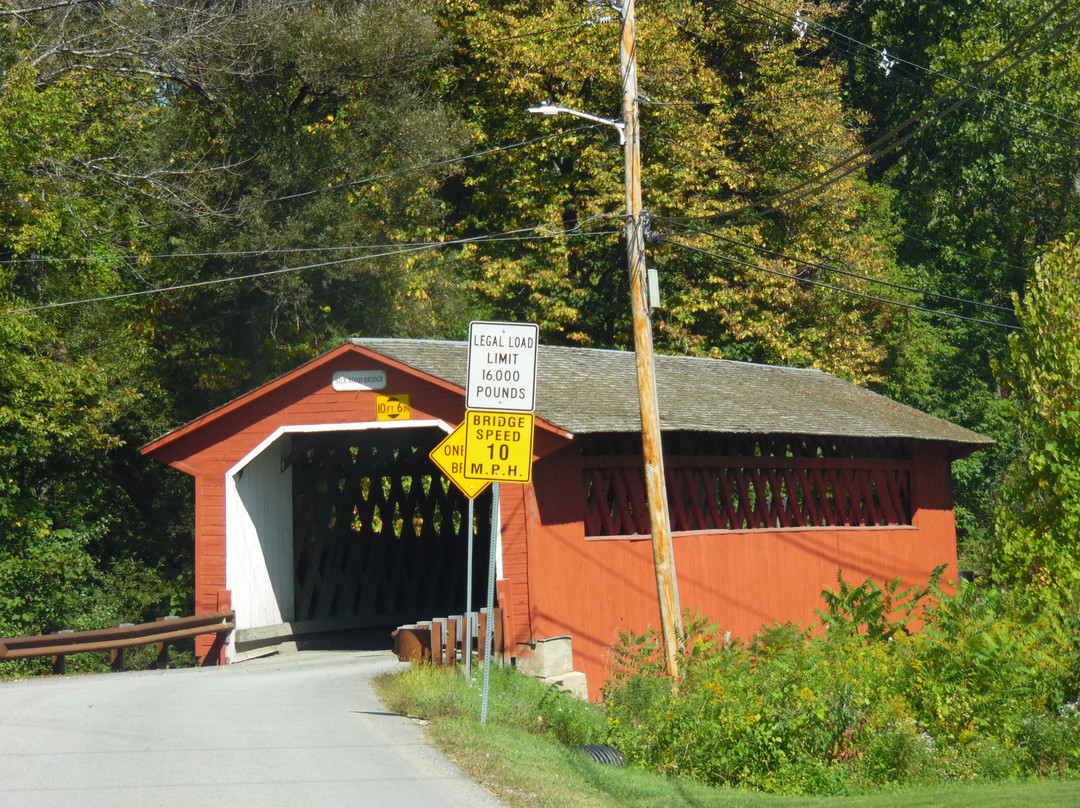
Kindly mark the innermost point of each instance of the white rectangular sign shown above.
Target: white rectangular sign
(345, 380)
(502, 366)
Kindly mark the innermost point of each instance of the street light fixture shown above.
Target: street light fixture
(551, 109)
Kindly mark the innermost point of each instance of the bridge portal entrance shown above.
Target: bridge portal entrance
(348, 532)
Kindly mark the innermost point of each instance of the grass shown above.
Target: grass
(522, 755)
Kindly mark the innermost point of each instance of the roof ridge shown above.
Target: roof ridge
(613, 351)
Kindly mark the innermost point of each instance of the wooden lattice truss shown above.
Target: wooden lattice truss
(378, 530)
(719, 482)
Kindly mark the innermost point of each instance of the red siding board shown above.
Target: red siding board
(595, 589)
(306, 400)
(515, 546)
(209, 447)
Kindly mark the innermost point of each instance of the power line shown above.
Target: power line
(940, 246)
(344, 186)
(849, 273)
(258, 252)
(984, 114)
(841, 289)
(981, 110)
(401, 250)
(679, 108)
(790, 23)
(740, 102)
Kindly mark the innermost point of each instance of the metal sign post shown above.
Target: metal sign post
(489, 624)
(449, 456)
(466, 645)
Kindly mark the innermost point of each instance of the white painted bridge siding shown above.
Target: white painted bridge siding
(259, 539)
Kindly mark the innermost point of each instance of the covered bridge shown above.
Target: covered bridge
(317, 511)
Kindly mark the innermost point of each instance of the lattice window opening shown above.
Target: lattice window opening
(612, 505)
(397, 507)
(400, 507)
(734, 483)
(378, 530)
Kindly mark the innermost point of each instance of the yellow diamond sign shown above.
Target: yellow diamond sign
(498, 446)
(449, 456)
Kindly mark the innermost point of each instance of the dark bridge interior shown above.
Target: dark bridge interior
(379, 536)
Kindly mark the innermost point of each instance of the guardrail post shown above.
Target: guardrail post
(216, 654)
(453, 638)
(437, 642)
(59, 661)
(116, 655)
(163, 647)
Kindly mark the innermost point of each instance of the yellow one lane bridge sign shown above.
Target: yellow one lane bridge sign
(449, 456)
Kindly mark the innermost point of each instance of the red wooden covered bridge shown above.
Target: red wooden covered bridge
(315, 514)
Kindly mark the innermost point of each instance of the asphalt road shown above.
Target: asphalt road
(291, 730)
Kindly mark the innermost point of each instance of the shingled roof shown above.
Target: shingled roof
(583, 390)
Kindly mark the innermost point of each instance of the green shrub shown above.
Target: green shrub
(985, 662)
(873, 611)
(986, 690)
(1044, 744)
(48, 581)
(985, 759)
(764, 715)
(900, 754)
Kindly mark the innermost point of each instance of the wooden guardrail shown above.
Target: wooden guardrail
(448, 640)
(162, 631)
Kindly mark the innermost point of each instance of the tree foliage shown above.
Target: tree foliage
(733, 116)
(145, 146)
(1039, 514)
(334, 139)
(983, 189)
(979, 193)
(240, 183)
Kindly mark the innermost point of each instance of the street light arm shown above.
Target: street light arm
(551, 109)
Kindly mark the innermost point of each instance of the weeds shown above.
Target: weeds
(986, 690)
(514, 701)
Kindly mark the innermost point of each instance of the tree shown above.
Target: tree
(150, 145)
(978, 193)
(272, 141)
(1039, 513)
(69, 377)
(734, 115)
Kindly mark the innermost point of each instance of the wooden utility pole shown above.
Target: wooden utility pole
(663, 551)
